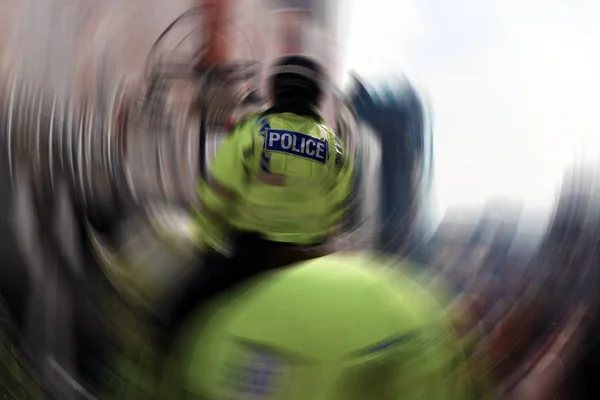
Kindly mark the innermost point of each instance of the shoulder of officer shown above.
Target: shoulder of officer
(247, 120)
(340, 151)
(330, 132)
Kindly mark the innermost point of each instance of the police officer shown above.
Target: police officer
(276, 190)
(344, 326)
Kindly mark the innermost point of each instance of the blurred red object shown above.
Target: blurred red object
(229, 122)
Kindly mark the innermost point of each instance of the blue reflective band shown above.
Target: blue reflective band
(264, 126)
(264, 163)
(386, 344)
(297, 144)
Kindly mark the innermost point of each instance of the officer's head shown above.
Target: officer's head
(297, 79)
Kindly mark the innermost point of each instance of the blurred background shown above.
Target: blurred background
(472, 124)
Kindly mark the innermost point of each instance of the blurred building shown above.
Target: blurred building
(470, 242)
(497, 228)
(271, 28)
(568, 254)
(8, 12)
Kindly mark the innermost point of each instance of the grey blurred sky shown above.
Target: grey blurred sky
(513, 85)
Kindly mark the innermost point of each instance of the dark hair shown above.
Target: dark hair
(297, 86)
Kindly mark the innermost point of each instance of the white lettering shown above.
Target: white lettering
(309, 151)
(286, 137)
(320, 150)
(294, 148)
(273, 137)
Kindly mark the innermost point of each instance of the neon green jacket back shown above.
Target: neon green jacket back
(341, 327)
(284, 176)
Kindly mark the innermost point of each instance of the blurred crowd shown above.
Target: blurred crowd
(524, 292)
(535, 297)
